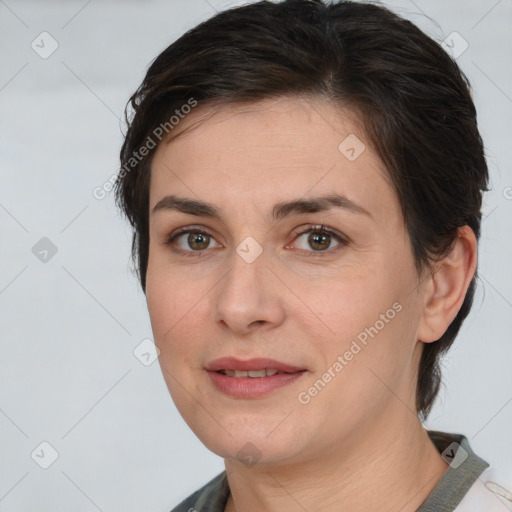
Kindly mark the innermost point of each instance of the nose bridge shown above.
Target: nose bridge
(245, 281)
(246, 295)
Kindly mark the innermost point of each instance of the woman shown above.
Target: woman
(305, 182)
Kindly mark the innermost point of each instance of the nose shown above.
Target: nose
(249, 297)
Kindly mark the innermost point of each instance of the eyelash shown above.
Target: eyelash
(314, 228)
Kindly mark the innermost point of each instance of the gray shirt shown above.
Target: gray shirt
(463, 470)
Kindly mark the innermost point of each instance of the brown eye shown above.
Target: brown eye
(319, 239)
(191, 245)
(198, 241)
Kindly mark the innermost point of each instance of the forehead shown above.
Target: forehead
(274, 149)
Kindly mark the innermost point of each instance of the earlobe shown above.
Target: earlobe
(448, 286)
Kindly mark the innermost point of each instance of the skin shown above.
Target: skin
(358, 444)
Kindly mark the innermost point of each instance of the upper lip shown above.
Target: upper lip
(258, 363)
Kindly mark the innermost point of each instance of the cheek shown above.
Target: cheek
(167, 304)
(365, 315)
(175, 328)
(349, 301)
(178, 311)
(161, 303)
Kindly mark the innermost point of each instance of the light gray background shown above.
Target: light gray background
(68, 374)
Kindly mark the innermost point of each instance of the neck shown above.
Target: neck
(389, 467)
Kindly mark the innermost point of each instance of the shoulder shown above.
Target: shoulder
(491, 492)
(211, 497)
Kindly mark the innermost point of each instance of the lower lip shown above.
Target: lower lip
(252, 387)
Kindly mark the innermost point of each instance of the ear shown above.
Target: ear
(445, 289)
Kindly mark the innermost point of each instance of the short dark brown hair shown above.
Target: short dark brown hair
(413, 100)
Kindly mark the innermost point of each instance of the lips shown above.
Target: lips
(238, 379)
(231, 366)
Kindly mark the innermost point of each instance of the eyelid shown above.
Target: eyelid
(188, 229)
(184, 230)
(319, 228)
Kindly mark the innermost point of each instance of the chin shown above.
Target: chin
(252, 445)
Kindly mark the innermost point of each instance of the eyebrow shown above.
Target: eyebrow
(280, 210)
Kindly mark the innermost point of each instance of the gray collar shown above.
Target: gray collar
(464, 469)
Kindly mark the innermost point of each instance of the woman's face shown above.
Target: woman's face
(345, 311)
